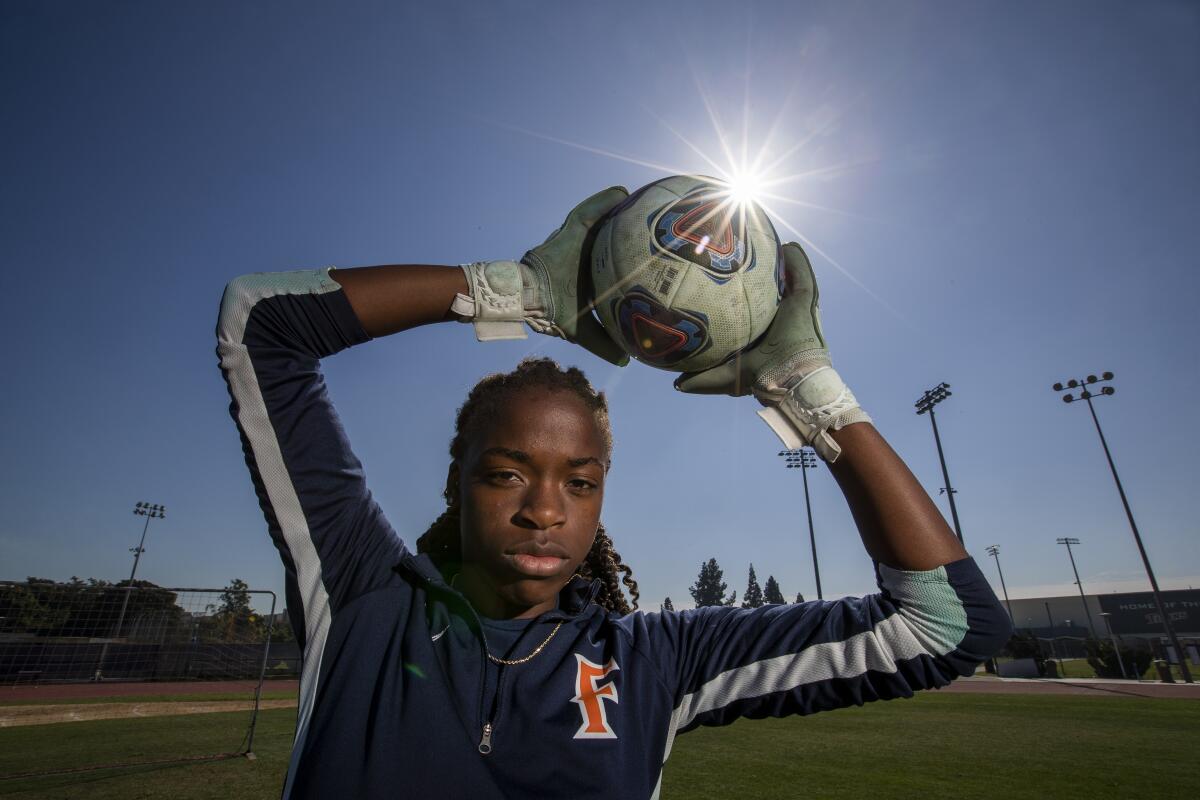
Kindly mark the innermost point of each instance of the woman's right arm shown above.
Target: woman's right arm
(274, 329)
(391, 299)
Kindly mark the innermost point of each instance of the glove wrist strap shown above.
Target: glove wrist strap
(495, 303)
(503, 295)
(803, 415)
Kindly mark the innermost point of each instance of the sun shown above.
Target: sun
(745, 188)
(750, 172)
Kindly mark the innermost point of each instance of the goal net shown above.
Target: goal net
(78, 653)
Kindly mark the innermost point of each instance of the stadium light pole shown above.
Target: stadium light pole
(1108, 391)
(1068, 541)
(149, 512)
(928, 400)
(994, 552)
(805, 459)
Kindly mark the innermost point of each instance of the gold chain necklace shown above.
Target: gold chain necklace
(514, 661)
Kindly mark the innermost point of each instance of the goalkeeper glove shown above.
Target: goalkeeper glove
(789, 370)
(548, 288)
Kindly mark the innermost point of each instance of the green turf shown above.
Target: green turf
(936, 745)
(952, 746)
(47, 747)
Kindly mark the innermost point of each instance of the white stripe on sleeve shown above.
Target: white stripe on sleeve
(240, 298)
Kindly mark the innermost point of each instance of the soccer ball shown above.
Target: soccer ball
(684, 276)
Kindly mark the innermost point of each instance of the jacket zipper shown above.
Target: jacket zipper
(489, 724)
(485, 740)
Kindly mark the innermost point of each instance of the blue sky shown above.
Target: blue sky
(1007, 197)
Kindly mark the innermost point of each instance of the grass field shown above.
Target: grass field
(936, 745)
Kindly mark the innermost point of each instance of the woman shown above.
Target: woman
(503, 660)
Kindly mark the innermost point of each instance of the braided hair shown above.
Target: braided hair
(442, 541)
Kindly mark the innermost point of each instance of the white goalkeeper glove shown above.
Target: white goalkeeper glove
(789, 370)
(548, 289)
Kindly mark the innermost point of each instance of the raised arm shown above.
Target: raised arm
(936, 617)
(806, 403)
(899, 524)
(273, 330)
(391, 299)
(544, 290)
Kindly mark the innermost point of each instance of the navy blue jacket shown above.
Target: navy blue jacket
(397, 697)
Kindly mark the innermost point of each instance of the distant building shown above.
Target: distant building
(1130, 614)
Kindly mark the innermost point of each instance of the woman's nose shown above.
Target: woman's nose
(543, 507)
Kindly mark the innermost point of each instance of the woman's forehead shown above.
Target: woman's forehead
(543, 420)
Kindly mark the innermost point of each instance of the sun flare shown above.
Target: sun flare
(750, 174)
(745, 188)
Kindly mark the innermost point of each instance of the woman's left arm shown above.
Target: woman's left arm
(936, 609)
(807, 403)
(899, 524)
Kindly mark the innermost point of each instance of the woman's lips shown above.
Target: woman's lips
(536, 566)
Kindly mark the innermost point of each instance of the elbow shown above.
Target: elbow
(995, 631)
(236, 302)
(988, 631)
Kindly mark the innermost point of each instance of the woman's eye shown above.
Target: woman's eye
(582, 485)
(504, 476)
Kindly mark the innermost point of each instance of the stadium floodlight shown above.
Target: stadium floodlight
(149, 511)
(994, 551)
(805, 459)
(925, 405)
(1107, 391)
(1068, 541)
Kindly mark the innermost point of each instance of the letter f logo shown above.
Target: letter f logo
(589, 696)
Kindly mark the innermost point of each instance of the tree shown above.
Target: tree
(235, 600)
(21, 610)
(799, 597)
(81, 608)
(1023, 644)
(754, 593)
(667, 605)
(1103, 658)
(234, 619)
(772, 594)
(709, 589)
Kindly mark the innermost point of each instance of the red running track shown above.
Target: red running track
(77, 691)
(1088, 688)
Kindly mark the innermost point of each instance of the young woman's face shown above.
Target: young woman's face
(532, 483)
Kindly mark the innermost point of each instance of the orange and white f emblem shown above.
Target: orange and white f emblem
(589, 696)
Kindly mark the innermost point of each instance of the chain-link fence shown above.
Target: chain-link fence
(141, 651)
(91, 631)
